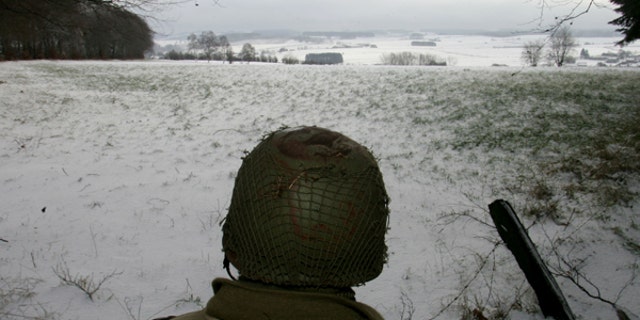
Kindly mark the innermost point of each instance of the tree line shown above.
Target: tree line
(71, 29)
(412, 59)
(209, 46)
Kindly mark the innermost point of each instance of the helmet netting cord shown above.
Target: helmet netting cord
(226, 266)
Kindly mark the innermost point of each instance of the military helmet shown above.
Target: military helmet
(309, 209)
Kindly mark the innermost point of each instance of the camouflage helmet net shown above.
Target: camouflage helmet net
(309, 208)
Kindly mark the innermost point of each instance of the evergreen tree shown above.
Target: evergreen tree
(629, 22)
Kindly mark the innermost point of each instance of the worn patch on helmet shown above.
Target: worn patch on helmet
(308, 143)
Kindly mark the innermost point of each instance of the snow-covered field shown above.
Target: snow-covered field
(456, 50)
(122, 172)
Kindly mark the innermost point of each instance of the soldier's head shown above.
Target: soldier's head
(309, 209)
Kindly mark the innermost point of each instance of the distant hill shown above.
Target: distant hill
(302, 35)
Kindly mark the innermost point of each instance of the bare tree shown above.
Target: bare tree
(193, 42)
(208, 43)
(248, 53)
(562, 44)
(140, 5)
(576, 9)
(227, 51)
(532, 52)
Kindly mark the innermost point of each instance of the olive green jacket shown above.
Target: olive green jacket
(248, 300)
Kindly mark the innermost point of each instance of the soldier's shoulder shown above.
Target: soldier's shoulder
(197, 315)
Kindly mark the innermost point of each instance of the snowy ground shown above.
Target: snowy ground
(123, 171)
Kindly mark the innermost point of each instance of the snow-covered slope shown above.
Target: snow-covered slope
(122, 172)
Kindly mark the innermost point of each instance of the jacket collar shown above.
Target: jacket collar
(243, 299)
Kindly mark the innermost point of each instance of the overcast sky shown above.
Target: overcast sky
(357, 15)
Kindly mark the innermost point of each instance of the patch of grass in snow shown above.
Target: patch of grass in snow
(86, 283)
(57, 70)
(15, 300)
(500, 306)
(583, 126)
(629, 243)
